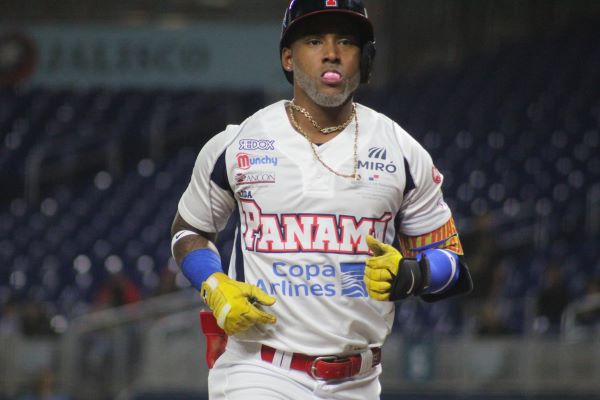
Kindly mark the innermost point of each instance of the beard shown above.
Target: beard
(311, 88)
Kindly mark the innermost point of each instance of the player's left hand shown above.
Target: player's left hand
(381, 269)
(390, 276)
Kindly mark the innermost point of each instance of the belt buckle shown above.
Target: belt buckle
(313, 365)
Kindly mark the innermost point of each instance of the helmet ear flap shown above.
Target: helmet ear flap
(367, 57)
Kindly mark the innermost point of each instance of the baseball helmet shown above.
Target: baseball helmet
(300, 10)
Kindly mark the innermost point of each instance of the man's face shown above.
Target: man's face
(325, 60)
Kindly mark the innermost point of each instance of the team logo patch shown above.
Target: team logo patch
(353, 284)
(436, 176)
(257, 144)
(331, 3)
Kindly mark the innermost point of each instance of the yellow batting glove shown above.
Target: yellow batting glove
(381, 269)
(233, 303)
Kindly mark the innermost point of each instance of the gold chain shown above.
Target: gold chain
(327, 130)
(354, 174)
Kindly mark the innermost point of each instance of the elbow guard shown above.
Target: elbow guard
(433, 272)
(440, 270)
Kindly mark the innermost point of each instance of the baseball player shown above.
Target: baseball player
(319, 185)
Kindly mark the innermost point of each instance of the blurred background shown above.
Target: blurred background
(104, 106)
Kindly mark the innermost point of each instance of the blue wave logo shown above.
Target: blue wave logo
(353, 284)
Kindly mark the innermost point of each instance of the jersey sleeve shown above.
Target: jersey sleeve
(423, 208)
(208, 200)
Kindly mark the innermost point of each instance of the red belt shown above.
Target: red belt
(325, 367)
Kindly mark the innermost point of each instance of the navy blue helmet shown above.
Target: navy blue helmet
(300, 10)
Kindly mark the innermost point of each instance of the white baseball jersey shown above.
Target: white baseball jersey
(302, 229)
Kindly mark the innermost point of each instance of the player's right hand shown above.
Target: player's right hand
(233, 303)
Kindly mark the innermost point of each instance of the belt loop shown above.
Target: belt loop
(282, 359)
(366, 361)
(277, 357)
(286, 360)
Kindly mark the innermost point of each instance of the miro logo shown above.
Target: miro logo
(378, 161)
(353, 284)
(378, 152)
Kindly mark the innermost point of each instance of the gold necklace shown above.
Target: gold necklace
(354, 174)
(326, 130)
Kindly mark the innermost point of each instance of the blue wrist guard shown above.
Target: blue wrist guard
(441, 268)
(199, 264)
